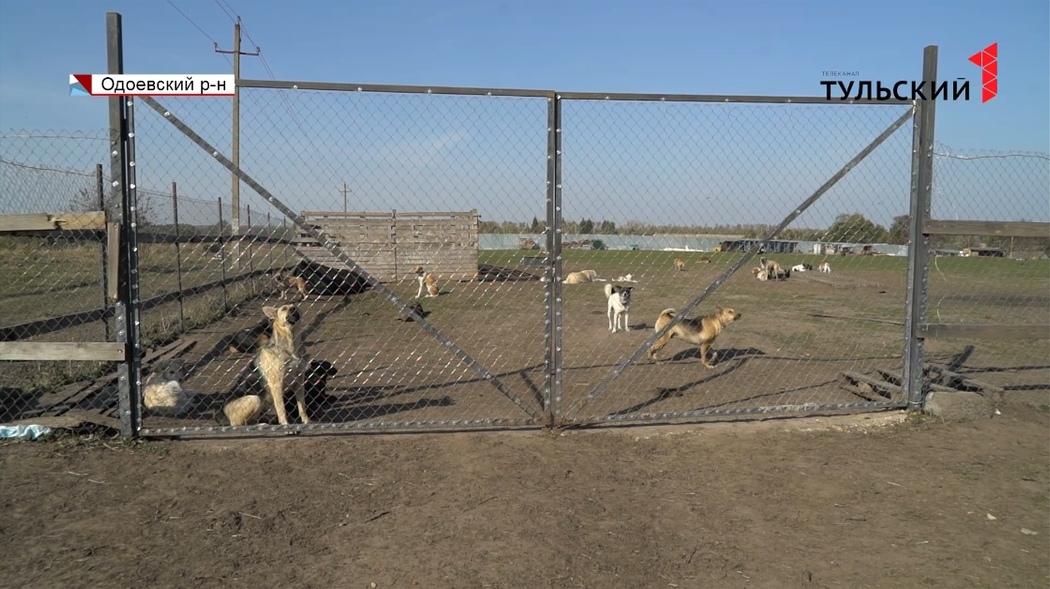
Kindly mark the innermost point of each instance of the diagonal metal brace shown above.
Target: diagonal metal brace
(338, 252)
(711, 288)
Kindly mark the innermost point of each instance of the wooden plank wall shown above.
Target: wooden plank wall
(390, 245)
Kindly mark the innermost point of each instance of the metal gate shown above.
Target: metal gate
(608, 168)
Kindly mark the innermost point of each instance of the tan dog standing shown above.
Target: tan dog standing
(772, 269)
(679, 264)
(699, 331)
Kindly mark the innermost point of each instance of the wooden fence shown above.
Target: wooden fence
(390, 245)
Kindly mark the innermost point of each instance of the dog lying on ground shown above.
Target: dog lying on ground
(705, 260)
(427, 281)
(280, 365)
(679, 264)
(626, 278)
(581, 277)
(824, 267)
(619, 306)
(162, 391)
(699, 331)
(287, 283)
(802, 268)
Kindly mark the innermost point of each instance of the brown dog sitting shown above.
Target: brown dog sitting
(699, 331)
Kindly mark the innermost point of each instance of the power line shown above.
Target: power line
(228, 13)
(196, 26)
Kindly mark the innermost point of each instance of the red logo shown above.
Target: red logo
(988, 60)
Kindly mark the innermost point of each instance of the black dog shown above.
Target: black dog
(315, 387)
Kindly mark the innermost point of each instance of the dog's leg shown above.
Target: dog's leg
(300, 397)
(660, 343)
(275, 382)
(704, 348)
(611, 315)
(627, 321)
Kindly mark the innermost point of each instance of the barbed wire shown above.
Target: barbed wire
(105, 177)
(46, 168)
(52, 136)
(946, 151)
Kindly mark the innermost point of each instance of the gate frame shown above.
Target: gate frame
(127, 307)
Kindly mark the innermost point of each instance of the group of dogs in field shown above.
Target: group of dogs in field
(283, 377)
(698, 331)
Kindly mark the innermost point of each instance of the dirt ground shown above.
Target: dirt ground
(862, 501)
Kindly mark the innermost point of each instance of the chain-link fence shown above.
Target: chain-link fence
(788, 334)
(380, 257)
(998, 282)
(53, 287)
(402, 181)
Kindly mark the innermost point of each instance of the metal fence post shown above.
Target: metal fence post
(126, 329)
(553, 298)
(919, 242)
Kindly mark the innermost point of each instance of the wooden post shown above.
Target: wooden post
(178, 255)
(100, 192)
(222, 258)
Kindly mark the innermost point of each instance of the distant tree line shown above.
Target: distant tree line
(846, 228)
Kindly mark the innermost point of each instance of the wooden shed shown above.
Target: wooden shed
(390, 245)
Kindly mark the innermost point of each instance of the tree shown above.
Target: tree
(855, 228)
(586, 226)
(535, 227)
(899, 230)
(85, 200)
(607, 227)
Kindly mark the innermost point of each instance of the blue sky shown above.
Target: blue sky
(623, 161)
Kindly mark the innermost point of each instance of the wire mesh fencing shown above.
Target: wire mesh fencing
(999, 282)
(54, 287)
(670, 197)
(405, 320)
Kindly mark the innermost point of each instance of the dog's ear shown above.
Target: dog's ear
(719, 309)
(270, 312)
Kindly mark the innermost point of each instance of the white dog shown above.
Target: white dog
(824, 267)
(162, 392)
(619, 298)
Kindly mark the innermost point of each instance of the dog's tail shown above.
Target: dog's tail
(667, 314)
(608, 289)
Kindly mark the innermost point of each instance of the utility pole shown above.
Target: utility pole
(235, 155)
(345, 191)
